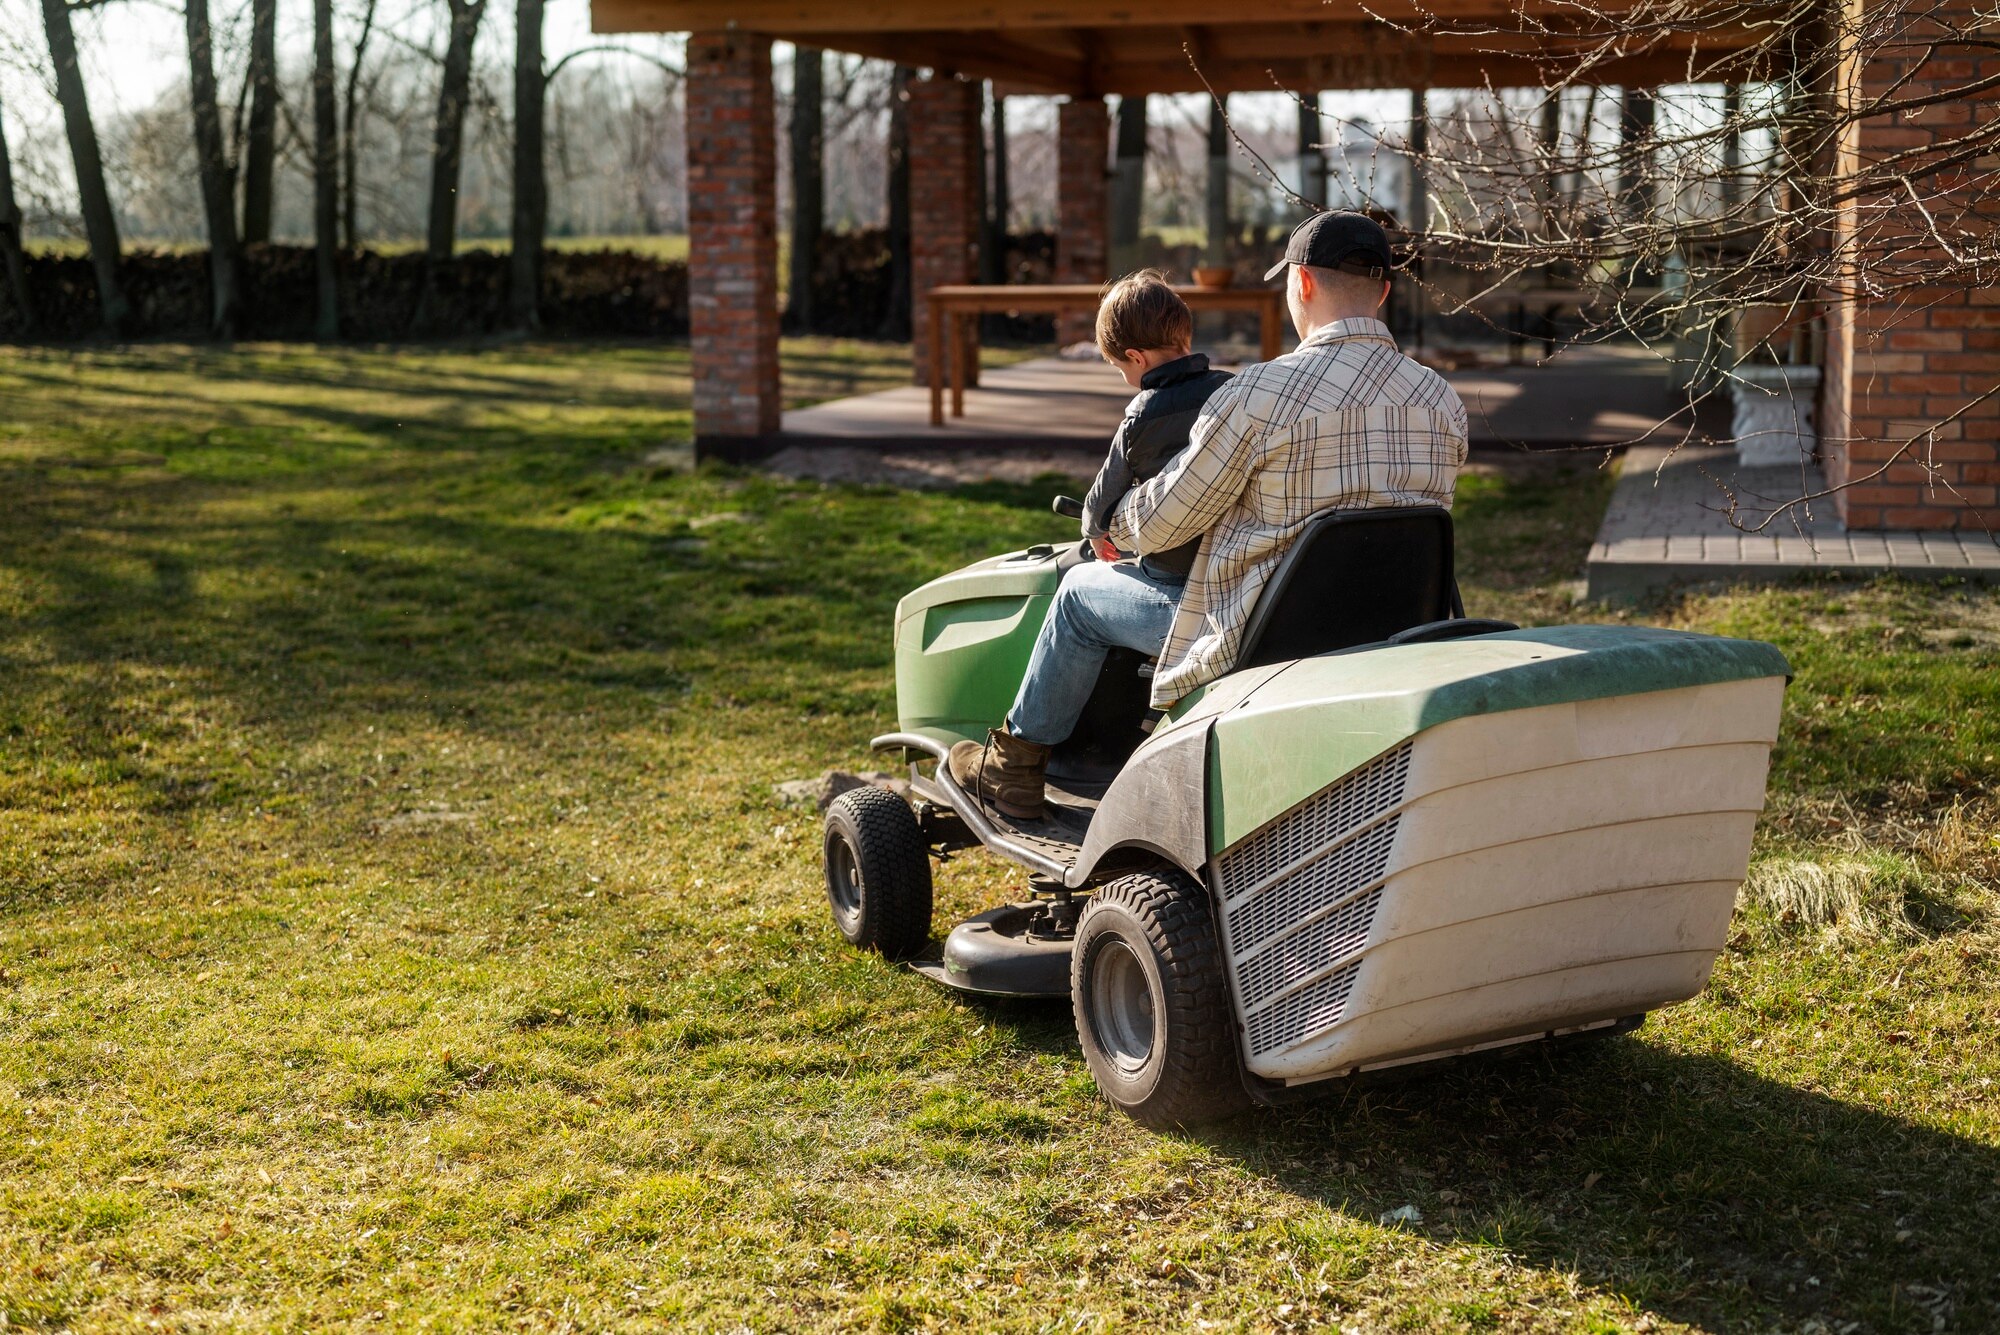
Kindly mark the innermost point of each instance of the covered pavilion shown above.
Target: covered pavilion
(1084, 50)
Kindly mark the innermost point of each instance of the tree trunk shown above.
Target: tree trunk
(1312, 159)
(260, 145)
(1417, 207)
(1635, 134)
(808, 181)
(1218, 180)
(898, 324)
(531, 182)
(1732, 147)
(326, 180)
(999, 203)
(447, 147)
(218, 181)
(1128, 183)
(350, 137)
(100, 225)
(1416, 190)
(1636, 202)
(12, 263)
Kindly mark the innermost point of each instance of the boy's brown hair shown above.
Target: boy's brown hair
(1141, 311)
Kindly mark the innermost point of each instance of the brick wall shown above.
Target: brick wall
(1924, 354)
(1083, 140)
(732, 237)
(945, 163)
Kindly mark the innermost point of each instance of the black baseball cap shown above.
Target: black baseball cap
(1339, 239)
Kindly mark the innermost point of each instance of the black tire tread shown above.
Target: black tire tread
(895, 864)
(1202, 1078)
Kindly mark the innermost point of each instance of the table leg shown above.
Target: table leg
(957, 358)
(937, 363)
(1267, 331)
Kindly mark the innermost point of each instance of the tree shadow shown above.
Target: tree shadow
(487, 609)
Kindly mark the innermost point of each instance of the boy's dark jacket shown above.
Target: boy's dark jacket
(1155, 429)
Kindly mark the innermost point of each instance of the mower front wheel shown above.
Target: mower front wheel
(878, 873)
(1152, 1006)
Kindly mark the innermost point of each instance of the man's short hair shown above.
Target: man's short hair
(1142, 311)
(1348, 287)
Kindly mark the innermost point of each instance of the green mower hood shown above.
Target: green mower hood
(1309, 722)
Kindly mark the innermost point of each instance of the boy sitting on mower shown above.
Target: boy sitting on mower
(1343, 421)
(1146, 331)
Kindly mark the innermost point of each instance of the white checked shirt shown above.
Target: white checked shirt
(1343, 422)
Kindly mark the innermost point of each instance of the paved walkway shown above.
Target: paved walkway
(1588, 398)
(1668, 524)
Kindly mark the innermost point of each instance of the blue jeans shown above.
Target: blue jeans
(1097, 607)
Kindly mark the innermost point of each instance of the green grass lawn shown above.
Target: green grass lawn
(397, 926)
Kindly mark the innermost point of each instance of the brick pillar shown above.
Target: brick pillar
(1083, 206)
(1927, 353)
(945, 160)
(732, 241)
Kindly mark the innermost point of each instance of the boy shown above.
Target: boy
(1147, 332)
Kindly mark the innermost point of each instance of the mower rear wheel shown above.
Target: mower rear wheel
(878, 873)
(1152, 1005)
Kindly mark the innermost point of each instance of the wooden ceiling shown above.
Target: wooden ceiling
(1091, 47)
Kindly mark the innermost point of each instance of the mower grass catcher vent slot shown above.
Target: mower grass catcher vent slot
(1309, 1010)
(1308, 950)
(1273, 912)
(1299, 898)
(1317, 823)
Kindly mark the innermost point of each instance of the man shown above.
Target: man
(1344, 421)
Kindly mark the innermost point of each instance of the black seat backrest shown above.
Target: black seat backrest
(1354, 577)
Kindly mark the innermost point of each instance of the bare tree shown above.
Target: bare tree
(1744, 190)
(531, 186)
(1218, 182)
(999, 201)
(100, 224)
(448, 146)
(218, 178)
(1128, 183)
(898, 325)
(11, 259)
(350, 133)
(260, 146)
(808, 142)
(326, 179)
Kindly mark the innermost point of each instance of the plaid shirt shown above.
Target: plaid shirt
(1343, 422)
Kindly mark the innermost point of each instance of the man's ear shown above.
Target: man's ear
(1304, 278)
(1383, 299)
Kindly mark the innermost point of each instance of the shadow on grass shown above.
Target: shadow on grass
(1694, 1188)
(1691, 1186)
(491, 582)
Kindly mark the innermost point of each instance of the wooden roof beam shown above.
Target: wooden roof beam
(1026, 69)
(904, 16)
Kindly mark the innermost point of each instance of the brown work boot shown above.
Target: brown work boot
(1006, 773)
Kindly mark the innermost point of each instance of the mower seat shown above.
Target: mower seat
(1356, 577)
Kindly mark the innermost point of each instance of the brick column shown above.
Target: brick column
(732, 241)
(945, 159)
(1927, 353)
(1083, 205)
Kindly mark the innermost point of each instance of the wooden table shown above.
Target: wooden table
(950, 307)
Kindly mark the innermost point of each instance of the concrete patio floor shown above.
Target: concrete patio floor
(1593, 397)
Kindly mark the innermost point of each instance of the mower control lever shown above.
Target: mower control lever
(1067, 506)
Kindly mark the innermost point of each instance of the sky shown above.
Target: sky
(135, 49)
